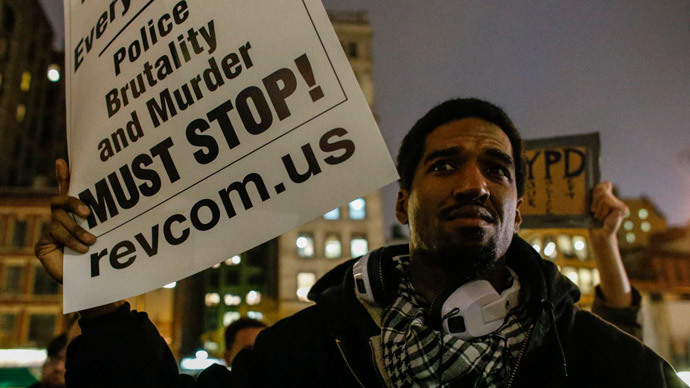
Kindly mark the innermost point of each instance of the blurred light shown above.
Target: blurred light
(53, 73)
(20, 113)
(255, 315)
(550, 249)
(643, 214)
(685, 376)
(579, 245)
(358, 209)
(332, 215)
(630, 237)
(230, 317)
(232, 300)
(572, 274)
(170, 285)
(25, 83)
(235, 260)
(253, 297)
(212, 299)
(359, 246)
(646, 227)
(628, 225)
(216, 266)
(595, 276)
(16, 358)
(536, 247)
(201, 361)
(302, 242)
(302, 293)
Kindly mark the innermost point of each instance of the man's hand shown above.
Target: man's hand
(607, 209)
(610, 211)
(63, 231)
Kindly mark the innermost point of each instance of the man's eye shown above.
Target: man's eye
(499, 170)
(441, 166)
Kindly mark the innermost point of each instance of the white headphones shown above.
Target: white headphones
(472, 310)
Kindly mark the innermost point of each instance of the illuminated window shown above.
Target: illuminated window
(259, 316)
(53, 73)
(232, 300)
(572, 274)
(628, 225)
(333, 247)
(565, 245)
(212, 299)
(333, 214)
(25, 85)
(580, 245)
(358, 209)
(585, 276)
(645, 226)
(536, 244)
(630, 237)
(21, 113)
(643, 214)
(595, 276)
(230, 317)
(305, 280)
(305, 245)
(235, 260)
(359, 245)
(253, 298)
(550, 247)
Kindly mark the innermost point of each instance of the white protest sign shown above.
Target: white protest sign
(200, 129)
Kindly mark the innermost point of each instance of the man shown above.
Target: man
(53, 371)
(402, 316)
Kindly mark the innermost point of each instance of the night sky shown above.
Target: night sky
(621, 68)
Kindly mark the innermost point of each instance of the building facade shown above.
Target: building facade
(32, 96)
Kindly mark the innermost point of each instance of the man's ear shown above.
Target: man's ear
(518, 216)
(401, 206)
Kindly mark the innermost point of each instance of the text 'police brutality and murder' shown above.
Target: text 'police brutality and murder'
(251, 111)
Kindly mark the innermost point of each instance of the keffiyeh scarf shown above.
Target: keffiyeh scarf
(416, 355)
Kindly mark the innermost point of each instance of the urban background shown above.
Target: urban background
(271, 281)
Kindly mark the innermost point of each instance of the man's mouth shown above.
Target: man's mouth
(470, 213)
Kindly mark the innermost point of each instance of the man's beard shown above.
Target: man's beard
(467, 261)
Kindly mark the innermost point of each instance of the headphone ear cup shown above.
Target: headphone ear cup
(382, 278)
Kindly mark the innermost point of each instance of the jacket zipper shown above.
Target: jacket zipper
(342, 353)
(522, 351)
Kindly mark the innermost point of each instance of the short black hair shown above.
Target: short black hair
(240, 324)
(412, 147)
(56, 345)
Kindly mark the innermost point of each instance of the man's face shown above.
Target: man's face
(243, 339)
(462, 207)
(54, 371)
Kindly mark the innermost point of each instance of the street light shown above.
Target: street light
(53, 73)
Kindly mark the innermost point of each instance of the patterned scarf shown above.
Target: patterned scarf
(412, 350)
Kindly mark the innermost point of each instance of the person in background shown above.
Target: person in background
(53, 371)
(240, 335)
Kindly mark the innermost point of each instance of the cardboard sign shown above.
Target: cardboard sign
(200, 129)
(561, 172)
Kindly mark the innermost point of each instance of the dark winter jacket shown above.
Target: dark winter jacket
(336, 343)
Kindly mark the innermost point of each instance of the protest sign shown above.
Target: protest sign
(200, 129)
(561, 172)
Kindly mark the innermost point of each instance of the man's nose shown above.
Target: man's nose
(471, 185)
